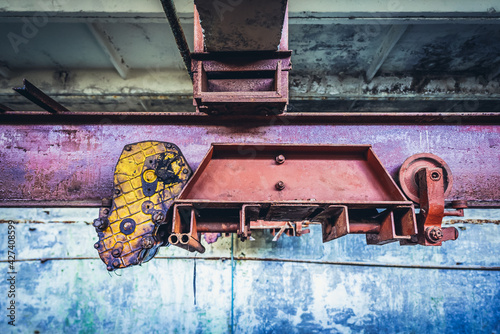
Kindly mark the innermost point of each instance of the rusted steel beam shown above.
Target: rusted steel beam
(72, 165)
(363, 228)
(288, 118)
(239, 68)
(217, 227)
(241, 83)
(35, 95)
(242, 25)
(180, 37)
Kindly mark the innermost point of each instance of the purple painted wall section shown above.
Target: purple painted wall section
(73, 165)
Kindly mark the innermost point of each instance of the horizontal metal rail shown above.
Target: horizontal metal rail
(86, 117)
(468, 221)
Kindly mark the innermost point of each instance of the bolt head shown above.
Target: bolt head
(159, 217)
(116, 263)
(127, 226)
(115, 252)
(117, 191)
(96, 245)
(434, 234)
(100, 224)
(280, 185)
(128, 148)
(280, 159)
(147, 242)
(435, 176)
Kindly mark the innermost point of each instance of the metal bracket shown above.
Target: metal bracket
(243, 82)
(342, 187)
(427, 180)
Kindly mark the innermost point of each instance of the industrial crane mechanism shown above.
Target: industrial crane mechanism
(241, 65)
(237, 188)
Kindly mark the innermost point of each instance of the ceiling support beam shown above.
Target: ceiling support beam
(313, 11)
(391, 39)
(109, 48)
(180, 37)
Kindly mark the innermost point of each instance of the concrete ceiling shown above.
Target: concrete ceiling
(347, 56)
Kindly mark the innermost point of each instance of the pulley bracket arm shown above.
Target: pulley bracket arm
(426, 179)
(431, 186)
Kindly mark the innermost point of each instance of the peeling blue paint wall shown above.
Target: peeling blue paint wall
(73, 292)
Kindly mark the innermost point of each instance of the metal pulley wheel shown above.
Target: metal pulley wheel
(411, 166)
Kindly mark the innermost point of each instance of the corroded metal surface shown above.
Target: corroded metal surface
(409, 168)
(241, 25)
(180, 37)
(148, 177)
(241, 83)
(73, 165)
(244, 73)
(35, 95)
(287, 118)
(339, 173)
(344, 188)
(284, 187)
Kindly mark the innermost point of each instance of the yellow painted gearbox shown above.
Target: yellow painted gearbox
(148, 177)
